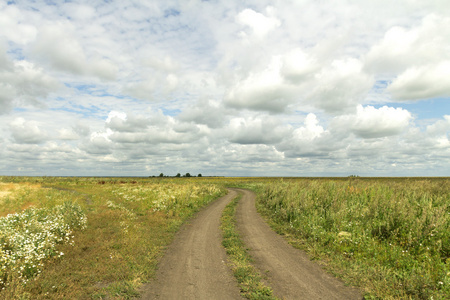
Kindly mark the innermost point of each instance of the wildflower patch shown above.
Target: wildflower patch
(30, 237)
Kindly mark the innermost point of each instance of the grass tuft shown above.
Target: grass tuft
(246, 274)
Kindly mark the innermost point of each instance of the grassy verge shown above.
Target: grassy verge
(390, 237)
(129, 224)
(248, 277)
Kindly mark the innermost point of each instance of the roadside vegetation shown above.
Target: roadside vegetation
(65, 238)
(389, 236)
(113, 246)
(248, 277)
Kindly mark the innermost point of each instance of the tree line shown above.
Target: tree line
(179, 175)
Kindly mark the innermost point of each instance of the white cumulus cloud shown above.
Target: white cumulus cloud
(27, 132)
(58, 44)
(423, 82)
(370, 122)
(258, 22)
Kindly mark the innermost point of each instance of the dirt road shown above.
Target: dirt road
(194, 266)
(290, 273)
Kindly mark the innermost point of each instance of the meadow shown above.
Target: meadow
(78, 238)
(390, 236)
(67, 237)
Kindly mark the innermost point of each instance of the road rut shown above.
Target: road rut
(290, 273)
(194, 266)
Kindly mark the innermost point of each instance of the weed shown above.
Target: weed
(391, 237)
(248, 277)
(129, 224)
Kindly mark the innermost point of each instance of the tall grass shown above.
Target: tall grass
(391, 237)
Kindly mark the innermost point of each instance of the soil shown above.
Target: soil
(288, 271)
(195, 264)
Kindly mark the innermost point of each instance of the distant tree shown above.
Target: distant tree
(199, 175)
(188, 175)
(178, 175)
(161, 175)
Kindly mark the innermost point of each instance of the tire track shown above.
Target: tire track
(194, 265)
(290, 273)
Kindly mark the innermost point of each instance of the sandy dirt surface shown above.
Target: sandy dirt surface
(288, 271)
(194, 266)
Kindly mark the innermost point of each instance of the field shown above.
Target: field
(67, 237)
(390, 236)
(125, 225)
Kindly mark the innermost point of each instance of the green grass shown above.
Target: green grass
(247, 275)
(389, 236)
(129, 224)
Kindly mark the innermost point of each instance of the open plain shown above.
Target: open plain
(383, 238)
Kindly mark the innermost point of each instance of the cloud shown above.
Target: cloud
(438, 135)
(120, 121)
(339, 87)
(441, 127)
(298, 78)
(298, 66)
(13, 25)
(80, 12)
(311, 130)
(260, 24)
(157, 77)
(263, 91)
(370, 122)
(152, 130)
(417, 58)
(22, 83)
(422, 82)
(235, 88)
(160, 62)
(309, 140)
(67, 134)
(403, 47)
(207, 112)
(57, 44)
(4, 61)
(99, 143)
(81, 129)
(256, 130)
(27, 132)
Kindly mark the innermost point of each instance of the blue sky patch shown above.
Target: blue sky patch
(172, 12)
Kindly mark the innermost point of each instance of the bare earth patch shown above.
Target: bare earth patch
(194, 266)
(290, 273)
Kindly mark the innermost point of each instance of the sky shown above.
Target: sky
(228, 88)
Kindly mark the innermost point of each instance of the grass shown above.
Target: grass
(129, 224)
(30, 237)
(390, 237)
(246, 274)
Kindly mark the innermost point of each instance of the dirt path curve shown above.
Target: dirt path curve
(290, 273)
(194, 266)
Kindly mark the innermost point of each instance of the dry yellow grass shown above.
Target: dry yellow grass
(129, 223)
(15, 197)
